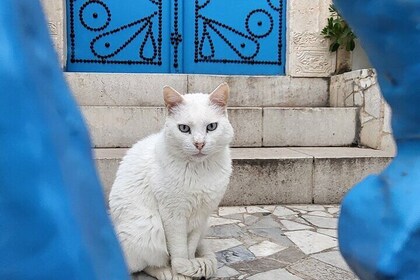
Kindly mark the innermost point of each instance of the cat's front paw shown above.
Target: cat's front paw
(165, 273)
(180, 264)
(198, 267)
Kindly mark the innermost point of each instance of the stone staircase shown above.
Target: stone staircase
(289, 146)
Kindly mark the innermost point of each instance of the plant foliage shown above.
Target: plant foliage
(338, 31)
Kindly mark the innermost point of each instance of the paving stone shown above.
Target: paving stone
(309, 207)
(318, 270)
(300, 221)
(269, 207)
(239, 217)
(281, 211)
(265, 248)
(266, 222)
(225, 231)
(322, 222)
(250, 240)
(258, 265)
(274, 234)
(256, 209)
(215, 221)
(333, 210)
(220, 264)
(290, 255)
(250, 219)
(275, 243)
(333, 258)
(311, 242)
(290, 225)
(225, 272)
(329, 232)
(281, 273)
(217, 245)
(223, 211)
(234, 255)
(320, 214)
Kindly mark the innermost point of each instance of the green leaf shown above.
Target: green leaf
(338, 31)
(350, 45)
(337, 28)
(334, 47)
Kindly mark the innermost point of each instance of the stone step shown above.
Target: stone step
(122, 126)
(281, 175)
(127, 89)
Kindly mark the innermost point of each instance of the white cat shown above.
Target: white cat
(169, 183)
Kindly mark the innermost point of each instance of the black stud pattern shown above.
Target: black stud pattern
(149, 36)
(94, 4)
(206, 39)
(258, 14)
(279, 45)
(259, 24)
(176, 37)
(144, 22)
(95, 16)
(274, 7)
(216, 26)
(72, 34)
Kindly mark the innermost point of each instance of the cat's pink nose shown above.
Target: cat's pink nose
(199, 145)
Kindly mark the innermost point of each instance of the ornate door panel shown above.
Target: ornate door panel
(234, 36)
(176, 36)
(118, 35)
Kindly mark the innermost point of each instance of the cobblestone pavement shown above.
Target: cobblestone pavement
(289, 242)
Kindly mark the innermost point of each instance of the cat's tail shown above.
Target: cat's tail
(198, 267)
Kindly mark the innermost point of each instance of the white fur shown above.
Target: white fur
(164, 193)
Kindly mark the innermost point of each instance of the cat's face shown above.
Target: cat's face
(197, 125)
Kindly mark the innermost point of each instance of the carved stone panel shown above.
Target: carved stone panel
(309, 55)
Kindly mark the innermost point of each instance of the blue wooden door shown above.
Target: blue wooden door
(177, 36)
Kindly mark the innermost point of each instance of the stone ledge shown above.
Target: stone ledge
(309, 126)
(128, 89)
(281, 175)
(122, 126)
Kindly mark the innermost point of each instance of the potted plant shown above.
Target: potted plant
(342, 39)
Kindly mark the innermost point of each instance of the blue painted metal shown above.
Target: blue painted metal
(233, 37)
(177, 36)
(379, 227)
(53, 223)
(118, 36)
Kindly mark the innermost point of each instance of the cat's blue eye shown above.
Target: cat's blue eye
(184, 128)
(212, 126)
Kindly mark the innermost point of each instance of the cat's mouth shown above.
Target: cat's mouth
(199, 155)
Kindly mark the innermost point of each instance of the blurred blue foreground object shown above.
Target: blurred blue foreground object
(53, 222)
(379, 227)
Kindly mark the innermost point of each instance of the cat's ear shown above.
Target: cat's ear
(172, 98)
(220, 95)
